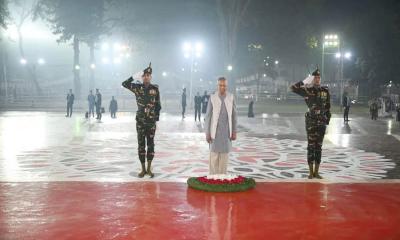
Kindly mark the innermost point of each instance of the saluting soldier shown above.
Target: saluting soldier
(147, 114)
(318, 116)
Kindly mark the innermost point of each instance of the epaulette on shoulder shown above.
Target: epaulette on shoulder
(155, 85)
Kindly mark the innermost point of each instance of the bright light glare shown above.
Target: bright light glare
(187, 47)
(117, 47)
(199, 47)
(117, 60)
(41, 61)
(105, 60)
(105, 46)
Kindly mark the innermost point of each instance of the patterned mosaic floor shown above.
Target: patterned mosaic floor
(50, 147)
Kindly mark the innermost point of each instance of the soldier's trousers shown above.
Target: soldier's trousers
(197, 113)
(145, 134)
(315, 137)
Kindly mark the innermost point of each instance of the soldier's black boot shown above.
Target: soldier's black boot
(310, 160)
(151, 174)
(143, 172)
(311, 169)
(317, 162)
(316, 173)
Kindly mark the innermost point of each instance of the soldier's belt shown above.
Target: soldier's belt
(143, 109)
(319, 114)
(315, 112)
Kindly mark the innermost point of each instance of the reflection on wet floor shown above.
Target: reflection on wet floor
(150, 210)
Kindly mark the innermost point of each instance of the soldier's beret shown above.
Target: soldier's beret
(148, 70)
(316, 73)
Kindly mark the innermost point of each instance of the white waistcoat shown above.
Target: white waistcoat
(216, 104)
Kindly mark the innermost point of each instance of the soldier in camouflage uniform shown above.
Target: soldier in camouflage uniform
(317, 118)
(149, 106)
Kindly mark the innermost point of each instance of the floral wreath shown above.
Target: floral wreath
(221, 183)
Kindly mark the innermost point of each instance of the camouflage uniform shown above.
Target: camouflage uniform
(318, 116)
(149, 106)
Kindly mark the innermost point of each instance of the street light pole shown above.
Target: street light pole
(192, 50)
(5, 73)
(341, 76)
(191, 79)
(322, 67)
(340, 66)
(330, 41)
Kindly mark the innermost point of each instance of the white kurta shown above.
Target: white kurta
(221, 143)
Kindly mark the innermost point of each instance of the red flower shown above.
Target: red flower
(236, 180)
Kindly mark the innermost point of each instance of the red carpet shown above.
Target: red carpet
(154, 210)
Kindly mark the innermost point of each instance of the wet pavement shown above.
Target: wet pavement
(72, 178)
(38, 146)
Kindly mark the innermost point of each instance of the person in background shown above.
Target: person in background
(250, 112)
(70, 103)
(183, 102)
(197, 107)
(113, 107)
(98, 104)
(346, 102)
(204, 102)
(91, 100)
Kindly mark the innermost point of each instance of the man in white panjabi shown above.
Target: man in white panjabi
(220, 127)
